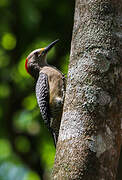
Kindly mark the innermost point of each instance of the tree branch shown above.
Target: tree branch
(90, 134)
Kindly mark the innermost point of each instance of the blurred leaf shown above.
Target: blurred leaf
(22, 144)
(8, 41)
(10, 171)
(48, 151)
(1, 112)
(4, 3)
(4, 90)
(22, 83)
(26, 121)
(62, 9)
(32, 176)
(30, 102)
(15, 76)
(65, 63)
(29, 16)
(5, 148)
(21, 68)
(22, 119)
(4, 59)
(44, 3)
(33, 128)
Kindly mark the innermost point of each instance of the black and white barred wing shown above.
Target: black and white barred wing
(42, 95)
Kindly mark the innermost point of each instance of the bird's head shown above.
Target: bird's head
(37, 59)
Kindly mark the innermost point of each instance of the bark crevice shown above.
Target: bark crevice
(90, 134)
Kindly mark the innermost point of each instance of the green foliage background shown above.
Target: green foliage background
(26, 148)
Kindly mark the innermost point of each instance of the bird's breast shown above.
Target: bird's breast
(56, 89)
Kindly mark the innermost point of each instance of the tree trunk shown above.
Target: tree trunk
(90, 134)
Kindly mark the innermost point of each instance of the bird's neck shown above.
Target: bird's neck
(34, 70)
(41, 64)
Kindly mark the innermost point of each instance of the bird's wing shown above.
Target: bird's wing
(42, 95)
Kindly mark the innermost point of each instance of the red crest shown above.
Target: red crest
(26, 67)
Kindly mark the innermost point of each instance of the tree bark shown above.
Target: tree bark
(89, 141)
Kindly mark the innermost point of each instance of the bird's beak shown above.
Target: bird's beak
(46, 49)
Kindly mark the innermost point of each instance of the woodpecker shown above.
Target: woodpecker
(50, 88)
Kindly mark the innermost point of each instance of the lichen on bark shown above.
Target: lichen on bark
(90, 134)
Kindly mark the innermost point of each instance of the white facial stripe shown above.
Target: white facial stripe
(33, 52)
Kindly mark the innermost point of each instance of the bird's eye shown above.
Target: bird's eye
(36, 54)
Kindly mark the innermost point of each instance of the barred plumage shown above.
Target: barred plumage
(50, 88)
(42, 94)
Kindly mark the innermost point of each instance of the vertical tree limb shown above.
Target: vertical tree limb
(90, 134)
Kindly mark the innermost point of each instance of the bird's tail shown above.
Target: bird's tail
(55, 137)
